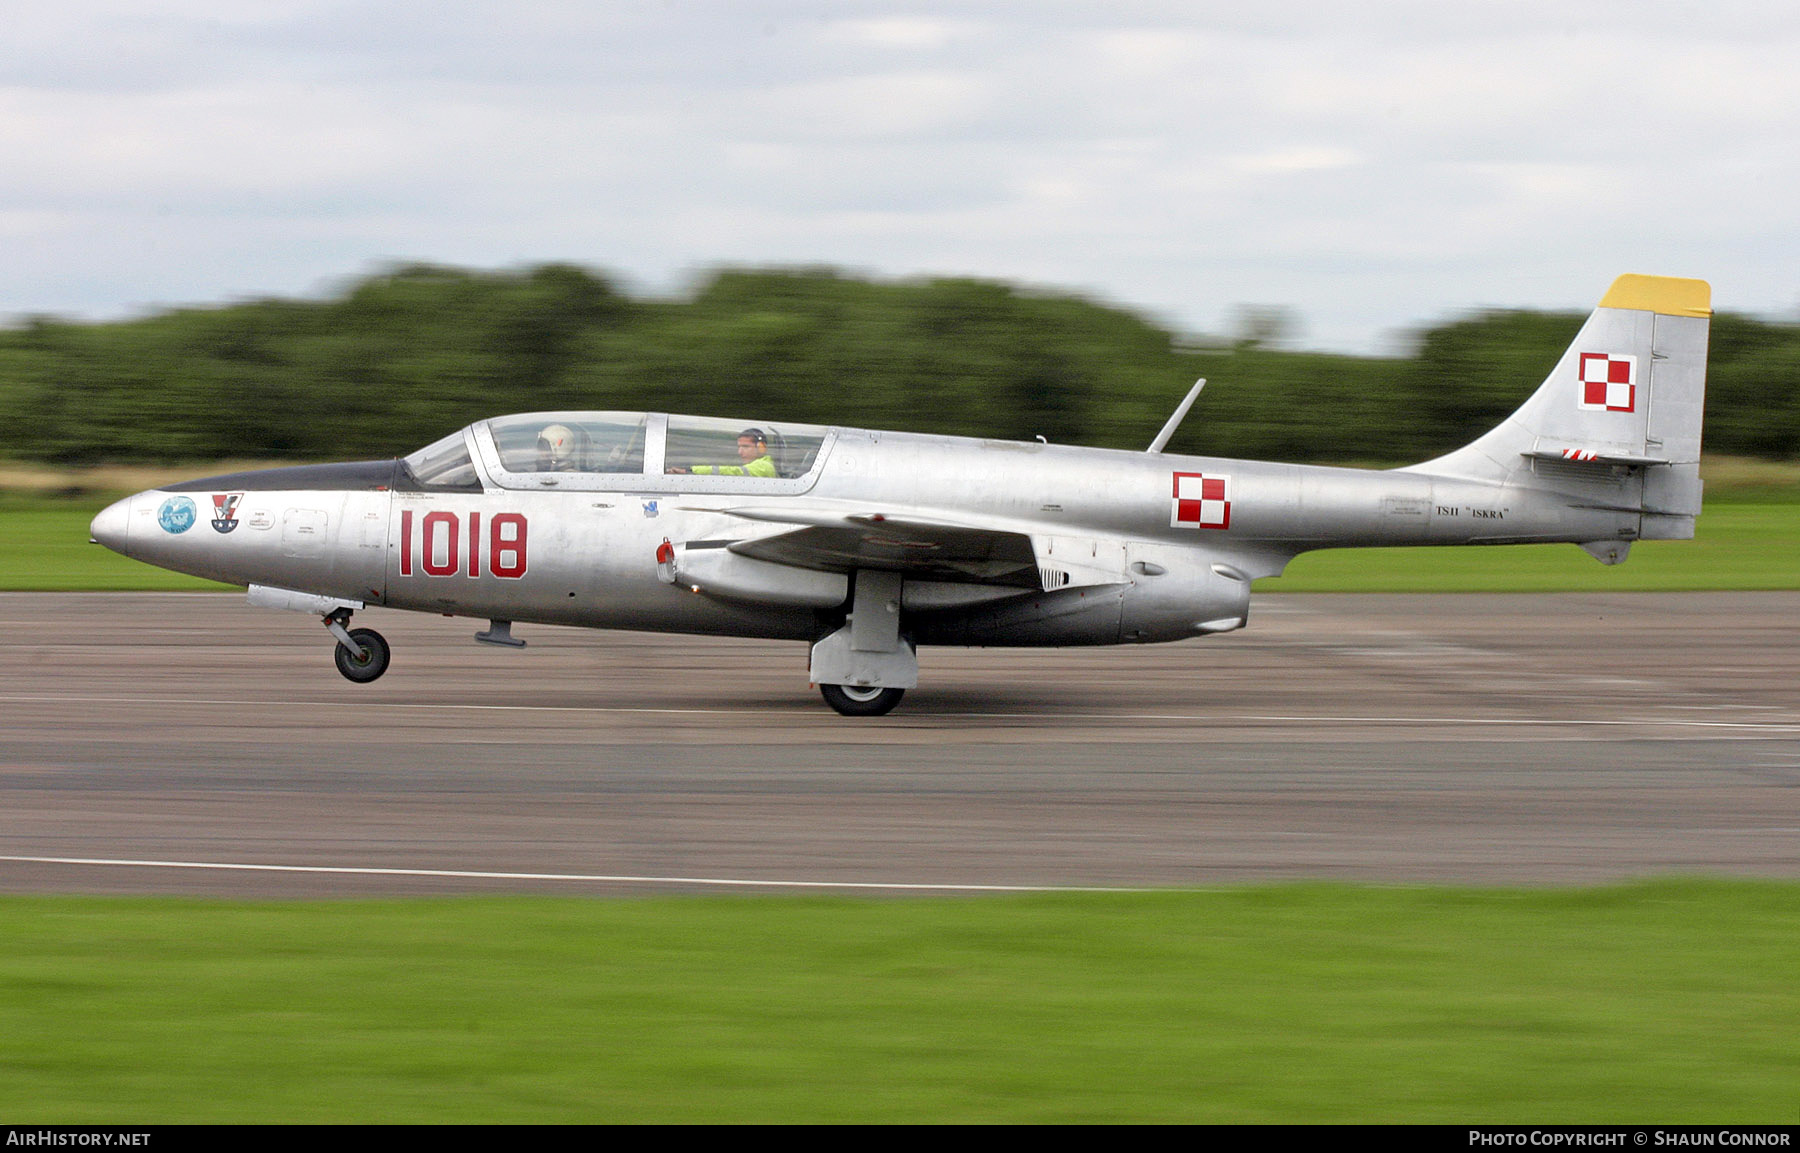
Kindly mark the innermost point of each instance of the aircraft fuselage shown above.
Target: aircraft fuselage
(587, 557)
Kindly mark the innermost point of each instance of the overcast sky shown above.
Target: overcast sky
(1370, 165)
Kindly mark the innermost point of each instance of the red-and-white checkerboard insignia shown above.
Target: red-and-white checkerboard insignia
(1608, 383)
(1201, 501)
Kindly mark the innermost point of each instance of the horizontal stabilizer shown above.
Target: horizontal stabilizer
(1594, 456)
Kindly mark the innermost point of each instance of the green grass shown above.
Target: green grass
(1754, 545)
(1670, 1001)
(1735, 546)
(44, 547)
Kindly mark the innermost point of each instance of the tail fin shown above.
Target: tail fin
(1623, 404)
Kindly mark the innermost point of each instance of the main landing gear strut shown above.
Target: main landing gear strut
(362, 654)
(865, 667)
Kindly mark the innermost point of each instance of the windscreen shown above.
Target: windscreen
(444, 464)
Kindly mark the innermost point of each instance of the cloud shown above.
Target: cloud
(1370, 165)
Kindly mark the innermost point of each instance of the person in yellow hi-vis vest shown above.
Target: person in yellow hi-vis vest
(753, 450)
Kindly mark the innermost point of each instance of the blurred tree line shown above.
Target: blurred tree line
(403, 357)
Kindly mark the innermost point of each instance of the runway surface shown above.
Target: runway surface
(1561, 738)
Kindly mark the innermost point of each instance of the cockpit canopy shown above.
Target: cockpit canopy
(602, 450)
(571, 441)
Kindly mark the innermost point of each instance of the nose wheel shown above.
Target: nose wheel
(856, 701)
(361, 654)
(370, 663)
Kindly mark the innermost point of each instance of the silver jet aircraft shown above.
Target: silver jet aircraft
(868, 544)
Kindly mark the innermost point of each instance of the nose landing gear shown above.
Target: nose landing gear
(361, 654)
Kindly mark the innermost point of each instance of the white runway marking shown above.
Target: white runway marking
(603, 878)
(1665, 722)
(1778, 725)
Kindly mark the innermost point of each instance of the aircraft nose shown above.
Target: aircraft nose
(112, 526)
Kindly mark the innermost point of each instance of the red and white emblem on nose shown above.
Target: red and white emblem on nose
(1608, 383)
(1201, 501)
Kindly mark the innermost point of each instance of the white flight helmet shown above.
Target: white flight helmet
(556, 448)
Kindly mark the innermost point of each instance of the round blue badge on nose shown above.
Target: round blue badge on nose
(177, 514)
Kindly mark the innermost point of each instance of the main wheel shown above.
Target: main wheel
(371, 664)
(856, 701)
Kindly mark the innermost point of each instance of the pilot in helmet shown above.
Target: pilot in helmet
(556, 449)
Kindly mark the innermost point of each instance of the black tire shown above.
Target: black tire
(374, 660)
(855, 701)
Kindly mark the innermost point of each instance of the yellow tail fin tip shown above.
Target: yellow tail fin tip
(1669, 295)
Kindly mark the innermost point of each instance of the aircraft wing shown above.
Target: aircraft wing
(922, 549)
